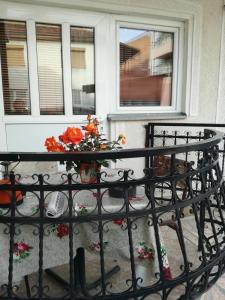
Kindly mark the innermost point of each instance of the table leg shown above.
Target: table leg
(80, 284)
(26, 279)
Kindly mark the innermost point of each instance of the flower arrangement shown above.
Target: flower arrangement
(88, 138)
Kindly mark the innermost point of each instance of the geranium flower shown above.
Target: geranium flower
(53, 146)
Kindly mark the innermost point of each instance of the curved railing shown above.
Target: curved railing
(161, 232)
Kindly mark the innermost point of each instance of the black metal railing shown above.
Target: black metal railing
(123, 233)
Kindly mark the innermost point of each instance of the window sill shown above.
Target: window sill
(146, 116)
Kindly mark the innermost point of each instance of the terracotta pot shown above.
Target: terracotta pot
(88, 172)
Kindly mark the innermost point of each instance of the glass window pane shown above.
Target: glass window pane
(82, 64)
(49, 54)
(14, 66)
(146, 61)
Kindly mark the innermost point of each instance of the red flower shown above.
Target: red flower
(62, 230)
(23, 247)
(119, 222)
(71, 135)
(53, 146)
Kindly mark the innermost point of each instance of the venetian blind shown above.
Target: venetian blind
(49, 56)
(14, 66)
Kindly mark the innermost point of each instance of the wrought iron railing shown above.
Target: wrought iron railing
(127, 245)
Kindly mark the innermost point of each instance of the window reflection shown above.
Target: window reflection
(82, 65)
(146, 60)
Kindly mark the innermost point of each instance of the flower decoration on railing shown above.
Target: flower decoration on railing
(21, 250)
(88, 138)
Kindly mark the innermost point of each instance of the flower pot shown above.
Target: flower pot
(6, 195)
(88, 172)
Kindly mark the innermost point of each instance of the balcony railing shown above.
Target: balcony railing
(124, 221)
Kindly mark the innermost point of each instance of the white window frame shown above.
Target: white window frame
(32, 14)
(177, 29)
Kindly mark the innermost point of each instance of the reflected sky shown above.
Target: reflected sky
(127, 34)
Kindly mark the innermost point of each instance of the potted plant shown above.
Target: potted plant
(88, 138)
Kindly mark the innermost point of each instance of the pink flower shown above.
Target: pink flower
(23, 247)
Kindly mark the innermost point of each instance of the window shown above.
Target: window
(14, 66)
(58, 65)
(49, 55)
(146, 67)
(82, 64)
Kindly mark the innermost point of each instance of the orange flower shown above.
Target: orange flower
(53, 146)
(71, 135)
(122, 139)
(91, 128)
